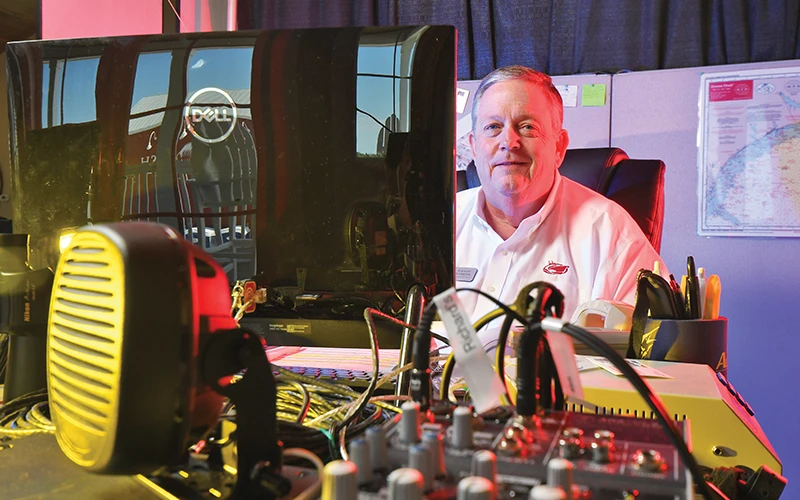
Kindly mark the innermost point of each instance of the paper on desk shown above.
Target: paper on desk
(642, 369)
(584, 363)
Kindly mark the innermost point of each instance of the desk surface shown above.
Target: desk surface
(35, 468)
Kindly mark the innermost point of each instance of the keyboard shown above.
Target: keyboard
(350, 366)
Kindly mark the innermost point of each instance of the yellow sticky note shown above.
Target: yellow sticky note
(593, 94)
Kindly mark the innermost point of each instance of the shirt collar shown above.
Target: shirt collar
(531, 221)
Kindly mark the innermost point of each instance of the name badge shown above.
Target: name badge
(466, 274)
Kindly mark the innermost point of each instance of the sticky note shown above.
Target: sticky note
(569, 95)
(593, 94)
(461, 100)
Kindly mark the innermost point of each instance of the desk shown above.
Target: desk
(35, 468)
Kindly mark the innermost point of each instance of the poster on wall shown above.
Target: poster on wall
(749, 153)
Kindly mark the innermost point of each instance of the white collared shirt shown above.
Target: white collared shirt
(580, 241)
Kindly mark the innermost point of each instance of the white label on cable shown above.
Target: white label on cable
(484, 384)
(563, 352)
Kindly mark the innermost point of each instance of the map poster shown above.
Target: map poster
(749, 156)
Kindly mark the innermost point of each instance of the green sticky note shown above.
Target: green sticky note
(593, 94)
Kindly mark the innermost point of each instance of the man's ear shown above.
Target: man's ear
(472, 143)
(562, 142)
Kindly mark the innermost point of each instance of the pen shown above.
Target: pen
(692, 299)
(701, 287)
(713, 292)
(676, 290)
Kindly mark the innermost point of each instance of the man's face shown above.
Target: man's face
(515, 146)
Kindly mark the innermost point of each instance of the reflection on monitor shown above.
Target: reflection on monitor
(318, 162)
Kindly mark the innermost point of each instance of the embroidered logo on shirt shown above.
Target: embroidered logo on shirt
(555, 268)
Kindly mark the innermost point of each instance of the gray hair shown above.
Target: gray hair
(539, 79)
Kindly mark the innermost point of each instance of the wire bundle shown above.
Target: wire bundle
(3, 354)
(26, 415)
(312, 413)
(553, 324)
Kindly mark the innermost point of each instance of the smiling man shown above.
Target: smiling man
(526, 222)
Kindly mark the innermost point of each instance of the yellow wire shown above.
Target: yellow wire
(376, 399)
(447, 369)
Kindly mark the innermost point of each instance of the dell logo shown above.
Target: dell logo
(210, 105)
(210, 114)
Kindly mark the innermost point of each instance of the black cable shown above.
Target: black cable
(373, 381)
(22, 401)
(441, 338)
(3, 355)
(548, 302)
(499, 304)
(375, 119)
(447, 371)
(421, 388)
(560, 401)
(318, 441)
(500, 350)
(348, 301)
(653, 401)
(12, 411)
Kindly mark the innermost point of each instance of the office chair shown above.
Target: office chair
(636, 185)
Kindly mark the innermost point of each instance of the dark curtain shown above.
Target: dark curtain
(563, 37)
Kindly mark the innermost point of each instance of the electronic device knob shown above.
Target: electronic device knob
(648, 460)
(432, 440)
(484, 464)
(547, 493)
(603, 446)
(409, 423)
(360, 455)
(559, 474)
(419, 458)
(476, 488)
(378, 450)
(340, 481)
(570, 443)
(461, 436)
(405, 484)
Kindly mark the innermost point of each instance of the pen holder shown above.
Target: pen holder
(701, 341)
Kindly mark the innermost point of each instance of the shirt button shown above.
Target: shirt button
(491, 289)
(504, 252)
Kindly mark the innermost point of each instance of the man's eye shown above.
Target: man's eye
(492, 129)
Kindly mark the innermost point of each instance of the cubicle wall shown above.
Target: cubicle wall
(655, 114)
(588, 126)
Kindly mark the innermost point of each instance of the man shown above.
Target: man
(526, 222)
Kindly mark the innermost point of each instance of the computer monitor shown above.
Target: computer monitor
(318, 162)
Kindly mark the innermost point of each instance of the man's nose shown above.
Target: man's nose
(509, 138)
